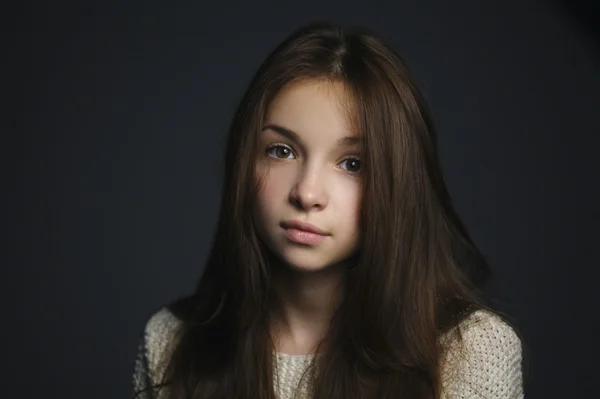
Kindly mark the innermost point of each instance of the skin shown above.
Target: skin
(314, 177)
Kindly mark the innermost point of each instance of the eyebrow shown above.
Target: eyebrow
(349, 140)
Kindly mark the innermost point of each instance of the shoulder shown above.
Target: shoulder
(160, 334)
(483, 359)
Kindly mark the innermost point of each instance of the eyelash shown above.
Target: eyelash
(274, 146)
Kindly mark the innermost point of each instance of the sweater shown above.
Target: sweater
(488, 366)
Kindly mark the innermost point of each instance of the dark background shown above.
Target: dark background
(114, 129)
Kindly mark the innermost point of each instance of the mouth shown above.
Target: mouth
(303, 233)
(303, 226)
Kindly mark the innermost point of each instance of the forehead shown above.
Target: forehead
(312, 109)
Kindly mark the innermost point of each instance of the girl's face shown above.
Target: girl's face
(310, 162)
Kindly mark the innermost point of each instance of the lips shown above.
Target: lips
(303, 226)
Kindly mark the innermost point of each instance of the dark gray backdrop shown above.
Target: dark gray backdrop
(121, 111)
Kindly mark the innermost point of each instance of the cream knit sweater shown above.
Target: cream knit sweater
(489, 366)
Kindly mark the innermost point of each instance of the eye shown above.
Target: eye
(352, 165)
(279, 151)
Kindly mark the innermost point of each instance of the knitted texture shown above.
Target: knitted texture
(289, 380)
(487, 365)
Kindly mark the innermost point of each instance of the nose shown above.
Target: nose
(309, 192)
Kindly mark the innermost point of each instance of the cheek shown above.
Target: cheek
(272, 191)
(349, 194)
(352, 199)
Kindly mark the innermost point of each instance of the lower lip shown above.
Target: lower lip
(303, 237)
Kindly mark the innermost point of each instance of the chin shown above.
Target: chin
(307, 262)
(305, 268)
(304, 259)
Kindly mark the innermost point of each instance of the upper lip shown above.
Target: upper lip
(297, 224)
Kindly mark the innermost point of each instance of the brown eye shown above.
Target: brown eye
(279, 151)
(352, 165)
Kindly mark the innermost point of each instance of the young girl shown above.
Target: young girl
(339, 268)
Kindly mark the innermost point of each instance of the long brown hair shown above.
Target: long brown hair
(416, 276)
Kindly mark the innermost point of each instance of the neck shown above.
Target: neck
(306, 304)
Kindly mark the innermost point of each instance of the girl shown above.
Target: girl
(339, 268)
